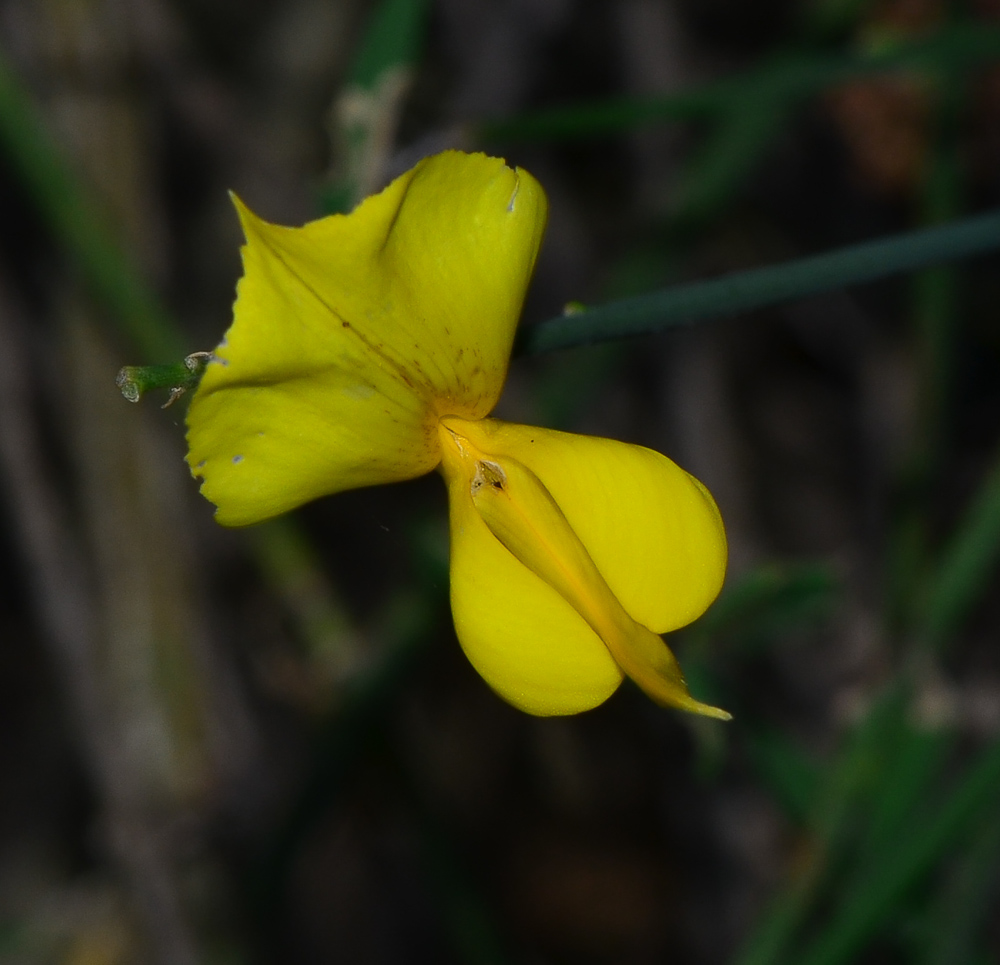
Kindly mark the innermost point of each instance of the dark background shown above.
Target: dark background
(265, 745)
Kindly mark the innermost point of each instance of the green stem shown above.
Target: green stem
(935, 313)
(77, 223)
(136, 380)
(966, 566)
(846, 783)
(959, 916)
(788, 76)
(743, 291)
(863, 911)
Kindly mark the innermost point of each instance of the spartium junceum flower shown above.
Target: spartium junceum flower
(370, 348)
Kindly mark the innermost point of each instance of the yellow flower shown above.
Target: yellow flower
(371, 347)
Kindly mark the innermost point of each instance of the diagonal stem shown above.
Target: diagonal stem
(747, 290)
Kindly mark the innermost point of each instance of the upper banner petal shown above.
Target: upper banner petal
(353, 333)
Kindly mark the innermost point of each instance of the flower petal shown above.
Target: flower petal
(352, 334)
(522, 637)
(653, 530)
(519, 510)
(521, 513)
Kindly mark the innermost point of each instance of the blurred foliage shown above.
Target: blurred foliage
(335, 784)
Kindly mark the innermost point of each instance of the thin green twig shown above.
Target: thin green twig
(962, 910)
(789, 77)
(744, 291)
(844, 786)
(966, 566)
(77, 222)
(863, 910)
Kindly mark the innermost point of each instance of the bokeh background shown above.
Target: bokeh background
(265, 746)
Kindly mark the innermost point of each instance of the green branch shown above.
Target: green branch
(136, 380)
(79, 225)
(787, 76)
(744, 291)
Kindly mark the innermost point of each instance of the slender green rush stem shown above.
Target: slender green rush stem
(133, 308)
(936, 319)
(966, 566)
(743, 291)
(789, 76)
(728, 157)
(79, 225)
(864, 910)
(961, 912)
(845, 785)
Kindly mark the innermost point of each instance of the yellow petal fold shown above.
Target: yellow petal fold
(653, 530)
(519, 633)
(643, 499)
(352, 334)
